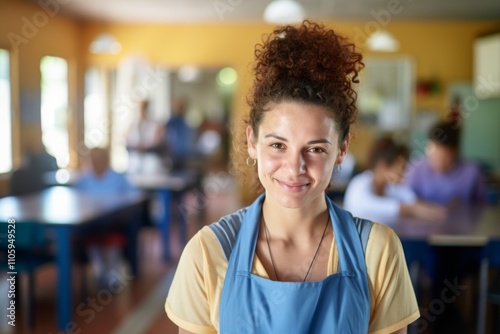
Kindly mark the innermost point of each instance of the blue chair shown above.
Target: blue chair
(419, 257)
(32, 251)
(488, 293)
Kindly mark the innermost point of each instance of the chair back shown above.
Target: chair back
(492, 252)
(26, 238)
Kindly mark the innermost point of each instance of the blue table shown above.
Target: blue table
(170, 186)
(465, 226)
(66, 211)
(464, 233)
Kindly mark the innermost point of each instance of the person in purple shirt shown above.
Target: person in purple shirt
(442, 176)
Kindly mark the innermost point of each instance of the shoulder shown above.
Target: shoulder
(114, 174)
(84, 179)
(469, 167)
(118, 180)
(382, 237)
(363, 178)
(383, 250)
(360, 183)
(416, 169)
(417, 165)
(226, 230)
(214, 242)
(358, 190)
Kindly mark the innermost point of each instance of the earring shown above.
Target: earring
(337, 169)
(251, 162)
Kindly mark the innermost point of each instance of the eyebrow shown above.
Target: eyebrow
(312, 142)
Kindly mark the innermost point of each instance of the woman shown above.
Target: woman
(293, 262)
(378, 194)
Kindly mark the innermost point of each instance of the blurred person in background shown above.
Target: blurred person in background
(443, 176)
(378, 193)
(180, 137)
(30, 177)
(145, 143)
(104, 249)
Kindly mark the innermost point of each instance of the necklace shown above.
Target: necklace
(271, 254)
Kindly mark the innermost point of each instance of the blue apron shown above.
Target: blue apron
(340, 303)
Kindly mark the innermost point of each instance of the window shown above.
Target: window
(385, 91)
(5, 114)
(54, 112)
(95, 115)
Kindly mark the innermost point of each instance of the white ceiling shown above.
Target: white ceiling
(189, 11)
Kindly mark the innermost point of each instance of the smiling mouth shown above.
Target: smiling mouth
(293, 187)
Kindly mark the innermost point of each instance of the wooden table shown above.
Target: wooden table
(65, 210)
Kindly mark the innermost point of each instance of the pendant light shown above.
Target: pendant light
(284, 12)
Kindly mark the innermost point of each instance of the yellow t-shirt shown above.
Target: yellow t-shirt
(194, 298)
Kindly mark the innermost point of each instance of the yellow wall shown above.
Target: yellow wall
(439, 49)
(54, 35)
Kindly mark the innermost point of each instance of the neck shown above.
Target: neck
(294, 224)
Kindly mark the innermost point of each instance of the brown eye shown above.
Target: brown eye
(278, 146)
(316, 150)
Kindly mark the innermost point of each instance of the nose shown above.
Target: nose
(296, 163)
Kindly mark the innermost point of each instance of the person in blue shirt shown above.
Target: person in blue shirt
(180, 136)
(100, 178)
(104, 249)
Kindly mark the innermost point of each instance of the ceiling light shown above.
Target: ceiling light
(189, 73)
(382, 41)
(284, 12)
(227, 76)
(105, 44)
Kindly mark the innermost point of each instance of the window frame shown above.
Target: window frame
(69, 115)
(14, 111)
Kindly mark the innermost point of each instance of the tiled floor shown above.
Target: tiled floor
(136, 306)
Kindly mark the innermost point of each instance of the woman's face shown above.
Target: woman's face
(296, 149)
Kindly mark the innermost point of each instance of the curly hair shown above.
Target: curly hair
(308, 64)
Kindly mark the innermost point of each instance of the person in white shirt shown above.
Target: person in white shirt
(145, 143)
(378, 194)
